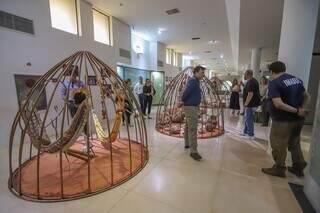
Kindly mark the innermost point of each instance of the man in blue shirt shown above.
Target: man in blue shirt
(287, 105)
(191, 99)
(69, 87)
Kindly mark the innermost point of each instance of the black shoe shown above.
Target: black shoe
(196, 156)
(186, 147)
(296, 172)
(275, 171)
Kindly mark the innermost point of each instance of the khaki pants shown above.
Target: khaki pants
(191, 128)
(283, 136)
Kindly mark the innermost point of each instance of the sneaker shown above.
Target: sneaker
(247, 137)
(275, 171)
(196, 156)
(296, 172)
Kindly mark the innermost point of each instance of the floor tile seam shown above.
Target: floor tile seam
(131, 189)
(160, 201)
(214, 197)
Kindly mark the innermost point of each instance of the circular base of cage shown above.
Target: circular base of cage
(202, 134)
(75, 172)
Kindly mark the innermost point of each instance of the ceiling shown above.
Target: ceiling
(206, 19)
(260, 26)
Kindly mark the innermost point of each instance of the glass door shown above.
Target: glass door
(157, 77)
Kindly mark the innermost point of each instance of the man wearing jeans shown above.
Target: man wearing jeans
(287, 105)
(251, 97)
(191, 99)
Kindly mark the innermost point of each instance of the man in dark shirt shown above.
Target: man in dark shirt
(251, 98)
(287, 102)
(191, 99)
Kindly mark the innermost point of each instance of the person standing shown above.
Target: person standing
(251, 97)
(138, 90)
(70, 92)
(264, 101)
(234, 99)
(191, 99)
(149, 92)
(69, 87)
(287, 103)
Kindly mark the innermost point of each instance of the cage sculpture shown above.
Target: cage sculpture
(170, 118)
(76, 146)
(223, 90)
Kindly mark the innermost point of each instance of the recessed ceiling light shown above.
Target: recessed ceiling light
(160, 30)
(221, 55)
(213, 41)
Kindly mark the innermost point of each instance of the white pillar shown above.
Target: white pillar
(255, 59)
(297, 36)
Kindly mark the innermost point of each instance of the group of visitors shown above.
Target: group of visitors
(263, 91)
(145, 93)
(284, 98)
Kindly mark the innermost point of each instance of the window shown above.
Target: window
(64, 15)
(175, 59)
(168, 56)
(172, 57)
(101, 25)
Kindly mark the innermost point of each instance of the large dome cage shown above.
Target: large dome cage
(67, 141)
(170, 118)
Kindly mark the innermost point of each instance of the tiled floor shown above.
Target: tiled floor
(227, 180)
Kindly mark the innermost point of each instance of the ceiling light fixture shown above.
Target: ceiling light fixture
(221, 55)
(160, 30)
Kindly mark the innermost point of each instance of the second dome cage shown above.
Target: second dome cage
(170, 118)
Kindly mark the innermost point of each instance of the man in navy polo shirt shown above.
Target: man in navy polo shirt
(287, 106)
(191, 99)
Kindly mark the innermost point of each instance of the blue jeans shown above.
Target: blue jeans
(141, 101)
(248, 121)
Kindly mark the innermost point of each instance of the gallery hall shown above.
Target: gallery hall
(171, 106)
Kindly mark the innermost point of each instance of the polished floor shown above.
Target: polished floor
(228, 179)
